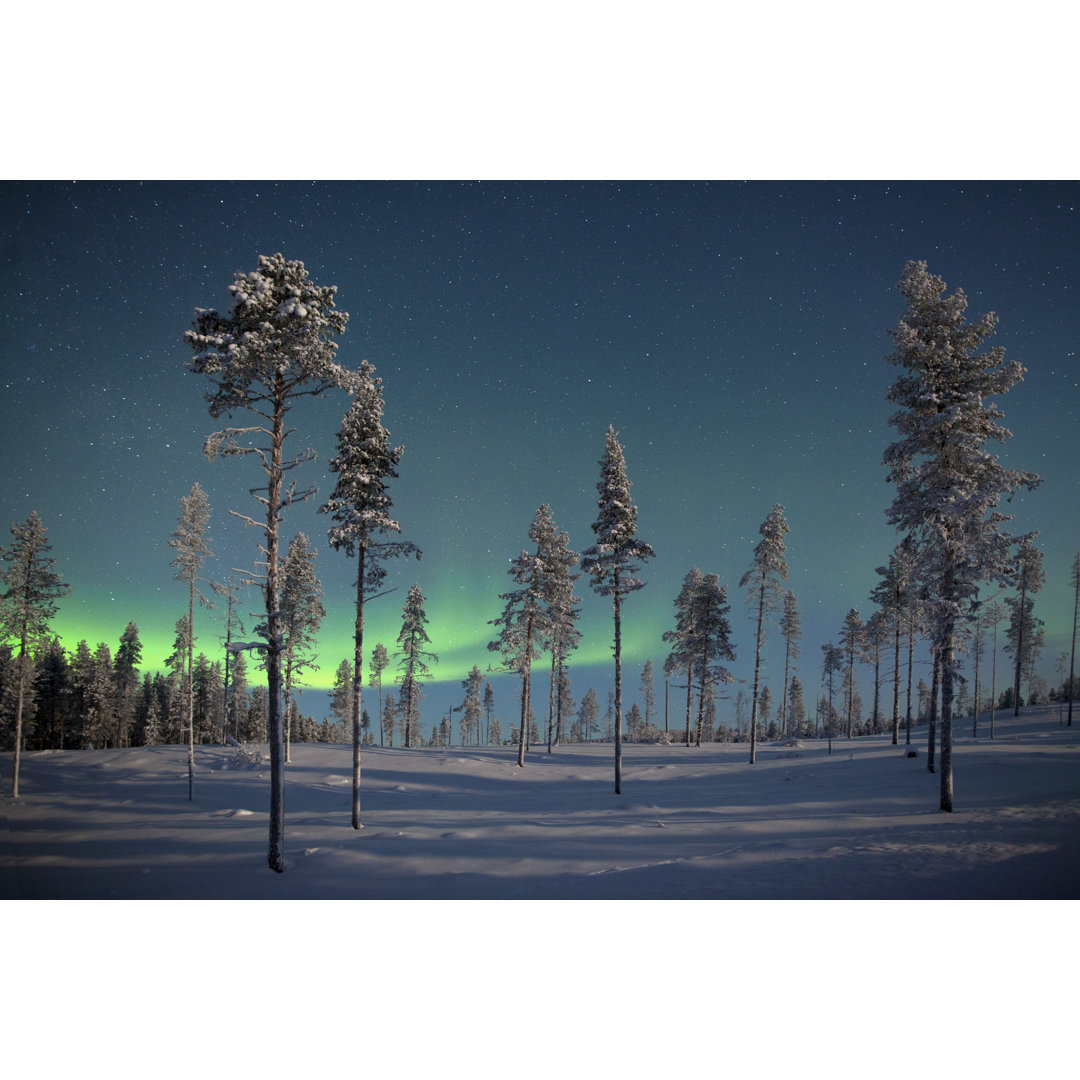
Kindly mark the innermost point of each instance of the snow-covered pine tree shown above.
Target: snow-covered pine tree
(832, 665)
(1024, 633)
(612, 562)
(876, 638)
(380, 661)
(341, 695)
(413, 663)
(275, 346)
(189, 540)
(361, 504)
(763, 583)
(233, 626)
(791, 628)
(559, 631)
(588, 711)
(473, 709)
(892, 594)
(523, 624)
(302, 613)
(648, 692)
(126, 681)
(851, 642)
(683, 653)
(948, 487)
(710, 642)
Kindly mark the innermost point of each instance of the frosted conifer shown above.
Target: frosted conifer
(612, 562)
(360, 504)
(413, 664)
(948, 487)
(763, 583)
(189, 540)
(27, 605)
(275, 346)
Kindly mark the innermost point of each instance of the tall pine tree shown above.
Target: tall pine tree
(948, 487)
(762, 581)
(360, 504)
(27, 605)
(612, 562)
(189, 540)
(273, 348)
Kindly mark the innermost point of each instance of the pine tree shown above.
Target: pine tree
(948, 488)
(413, 662)
(273, 348)
(559, 633)
(683, 654)
(893, 596)
(302, 613)
(489, 711)
(523, 624)
(189, 540)
(648, 692)
(360, 504)
(851, 642)
(27, 605)
(796, 710)
(1024, 633)
(390, 719)
(380, 661)
(234, 659)
(612, 562)
(791, 628)
(710, 642)
(341, 695)
(126, 679)
(472, 707)
(832, 665)
(763, 583)
(588, 711)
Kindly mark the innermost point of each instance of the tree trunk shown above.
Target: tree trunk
(191, 690)
(526, 690)
(551, 701)
(618, 689)
(358, 673)
(896, 685)
(935, 683)
(946, 724)
(18, 721)
(1019, 650)
(689, 698)
(757, 671)
(276, 844)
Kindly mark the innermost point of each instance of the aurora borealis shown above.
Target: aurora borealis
(734, 335)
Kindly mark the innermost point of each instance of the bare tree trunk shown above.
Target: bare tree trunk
(526, 690)
(1019, 651)
(946, 724)
(757, 672)
(618, 689)
(935, 684)
(896, 685)
(19, 721)
(276, 844)
(358, 673)
(191, 689)
(551, 701)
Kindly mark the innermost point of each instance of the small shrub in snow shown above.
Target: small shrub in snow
(248, 757)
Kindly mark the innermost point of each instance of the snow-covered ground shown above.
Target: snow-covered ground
(469, 824)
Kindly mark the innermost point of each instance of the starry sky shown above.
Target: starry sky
(733, 333)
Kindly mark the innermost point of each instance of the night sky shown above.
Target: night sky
(733, 333)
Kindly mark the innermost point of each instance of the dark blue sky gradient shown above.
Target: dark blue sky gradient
(734, 334)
